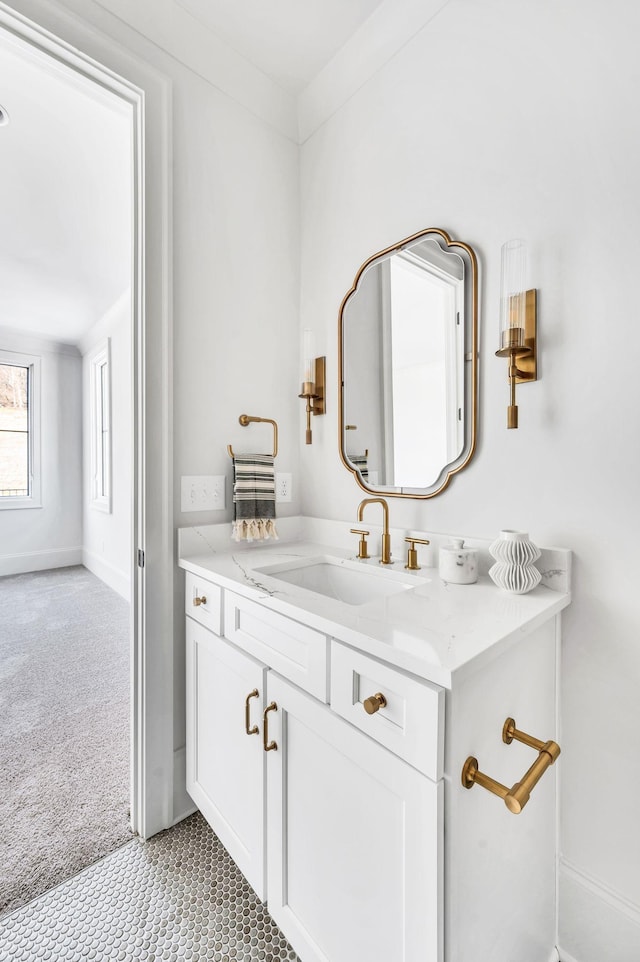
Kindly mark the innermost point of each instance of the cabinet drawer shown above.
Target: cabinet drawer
(208, 612)
(411, 724)
(293, 650)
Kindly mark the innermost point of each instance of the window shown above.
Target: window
(101, 428)
(19, 431)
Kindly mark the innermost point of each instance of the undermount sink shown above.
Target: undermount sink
(348, 581)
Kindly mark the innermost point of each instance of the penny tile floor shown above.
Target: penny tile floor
(175, 898)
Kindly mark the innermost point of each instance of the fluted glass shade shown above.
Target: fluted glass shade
(514, 269)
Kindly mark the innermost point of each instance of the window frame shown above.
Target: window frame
(100, 424)
(33, 364)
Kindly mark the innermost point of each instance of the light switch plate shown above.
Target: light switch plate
(202, 492)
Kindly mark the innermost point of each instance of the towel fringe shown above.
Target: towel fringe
(254, 529)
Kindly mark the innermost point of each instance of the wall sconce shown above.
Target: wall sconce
(313, 381)
(518, 322)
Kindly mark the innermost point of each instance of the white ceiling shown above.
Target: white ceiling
(289, 40)
(65, 156)
(65, 209)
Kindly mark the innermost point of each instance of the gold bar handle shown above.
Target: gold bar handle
(266, 744)
(247, 713)
(516, 797)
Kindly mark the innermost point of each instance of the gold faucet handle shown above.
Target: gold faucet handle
(412, 554)
(362, 546)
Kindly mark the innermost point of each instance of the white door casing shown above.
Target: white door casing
(55, 33)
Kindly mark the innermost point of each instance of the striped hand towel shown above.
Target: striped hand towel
(361, 462)
(254, 498)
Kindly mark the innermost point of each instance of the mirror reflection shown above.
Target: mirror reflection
(408, 332)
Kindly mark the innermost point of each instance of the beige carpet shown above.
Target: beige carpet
(64, 735)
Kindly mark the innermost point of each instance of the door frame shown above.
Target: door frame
(148, 93)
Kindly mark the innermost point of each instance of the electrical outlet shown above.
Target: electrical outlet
(202, 493)
(284, 486)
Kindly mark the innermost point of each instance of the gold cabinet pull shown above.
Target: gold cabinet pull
(516, 797)
(374, 703)
(267, 745)
(199, 600)
(247, 719)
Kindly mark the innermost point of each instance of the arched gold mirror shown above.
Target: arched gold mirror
(408, 366)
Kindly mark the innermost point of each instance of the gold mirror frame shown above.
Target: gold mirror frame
(471, 357)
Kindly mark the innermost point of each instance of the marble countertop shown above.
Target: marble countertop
(435, 630)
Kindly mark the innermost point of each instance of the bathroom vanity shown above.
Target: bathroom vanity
(331, 706)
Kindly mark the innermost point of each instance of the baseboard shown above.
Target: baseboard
(596, 922)
(183, 804)
(17, 564)
(108, 573)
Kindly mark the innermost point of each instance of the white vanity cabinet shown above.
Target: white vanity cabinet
(225, 764)
(355, 827)
(354, 840)
(354, 832)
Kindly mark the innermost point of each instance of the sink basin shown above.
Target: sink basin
(352, 582)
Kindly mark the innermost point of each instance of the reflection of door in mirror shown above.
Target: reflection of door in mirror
(404, 367)
(423, 375)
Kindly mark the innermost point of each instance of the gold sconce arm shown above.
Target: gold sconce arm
(516, 797)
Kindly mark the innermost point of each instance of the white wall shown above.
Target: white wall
(235, 263)
(107, 545)
(504, 119)
(498, 119)
(33, 539)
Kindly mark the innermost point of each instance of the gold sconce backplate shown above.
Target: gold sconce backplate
(314, 393)
(521, 348)
(319, 403)
(528, 363)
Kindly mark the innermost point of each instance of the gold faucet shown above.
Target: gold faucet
(386, 537)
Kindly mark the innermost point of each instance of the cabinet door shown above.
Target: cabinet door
(225, 765)
(355, 840)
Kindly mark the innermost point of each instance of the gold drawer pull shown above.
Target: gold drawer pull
(199, 600)
(267, 745)
(516, 797)
(374, 703)
(247, 719)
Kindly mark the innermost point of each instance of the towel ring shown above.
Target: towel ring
(245, 419)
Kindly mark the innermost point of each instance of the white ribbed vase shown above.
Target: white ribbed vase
(514, 569)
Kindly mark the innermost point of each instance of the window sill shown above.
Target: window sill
(12, 504)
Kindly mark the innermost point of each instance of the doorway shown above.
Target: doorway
(147, 98)
(66, 483)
